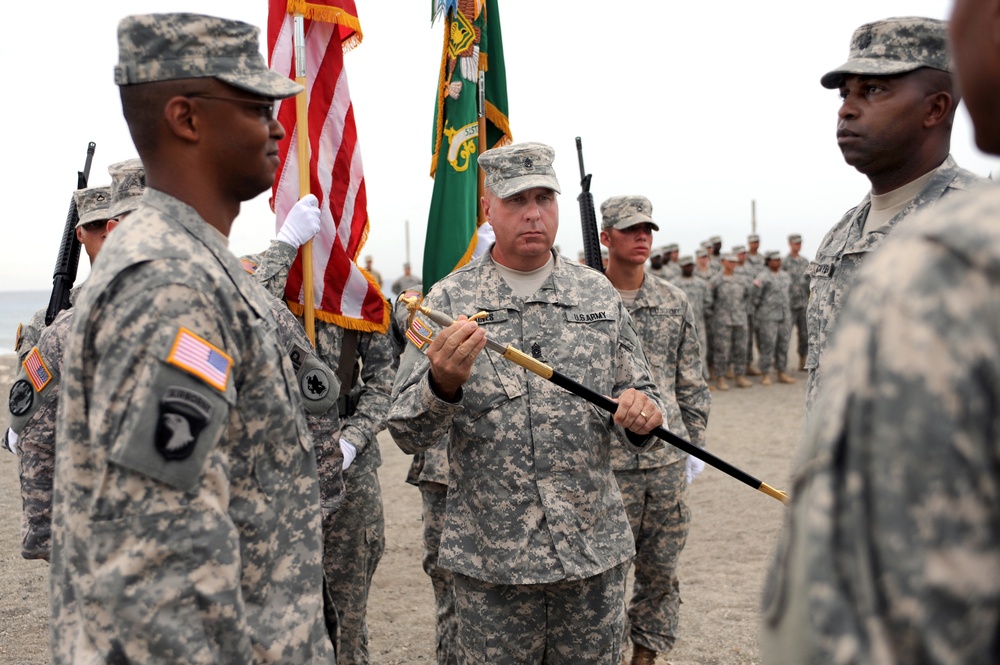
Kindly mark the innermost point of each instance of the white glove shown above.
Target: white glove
(301, 223)
(693, 468)
(12, 440)
(486, 237)
(350, 452)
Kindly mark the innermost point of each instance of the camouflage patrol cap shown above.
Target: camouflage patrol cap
(514, 168)
(894, 46)
(795, 237)
(164, 47)
(672, 247)
(715, 240)
(772, 254)
(686, 260)
(622, 212)
(701, 253)
(92, 204)
(753, 237)
(128, 182)
(729, 257)
(739, 249)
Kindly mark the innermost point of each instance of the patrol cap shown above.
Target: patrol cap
(128, 182)
(622, 212)
(92, 204)
(700, 253)
(795, 237)
(715, 240)
(165, 47)
(672, 247)
(686, 260)
(753, 237)
(894, 46)
(514, 168)
(729, 257)
(772, 254)
(739, 249)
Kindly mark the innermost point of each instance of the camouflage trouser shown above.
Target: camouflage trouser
(729, 345)
(577, 622)
(36, 466)
(703, 348)
(659, 517)
(353, 543)
(801, 332)
(772, 339)
(750, 328)
(435, 497)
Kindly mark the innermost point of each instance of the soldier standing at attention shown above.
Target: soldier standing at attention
(654, 485)
(700, 299)
(186, 514)
(797, 267)
(731, 300)
(894, 126)
(773, 318)
(755, 259)
(891, 549)
(535, 532)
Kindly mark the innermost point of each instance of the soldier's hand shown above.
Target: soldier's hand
(451, 354)
(637, 413)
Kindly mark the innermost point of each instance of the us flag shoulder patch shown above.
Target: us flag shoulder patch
(248, 265)
(199, 357)
(419, 334)
(38, 373)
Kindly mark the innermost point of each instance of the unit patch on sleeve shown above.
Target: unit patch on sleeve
(183, 415)
(199, 357)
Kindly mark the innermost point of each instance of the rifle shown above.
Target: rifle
(69, 249)
(588, 217)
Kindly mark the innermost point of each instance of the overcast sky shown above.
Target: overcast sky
(701, 107)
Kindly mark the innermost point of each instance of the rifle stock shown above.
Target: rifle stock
(588, 216)
(69, 249)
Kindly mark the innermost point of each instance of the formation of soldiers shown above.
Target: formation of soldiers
(741, 297)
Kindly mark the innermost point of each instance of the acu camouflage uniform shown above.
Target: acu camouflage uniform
(797, 268)
(731, 300)
(653, 485)
(204, 546)
(890, 551)
(534, 513)
(700, 299)
(354, 540)
(429, 472)
(773, 318)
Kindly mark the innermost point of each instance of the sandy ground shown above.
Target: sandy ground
(733, 529)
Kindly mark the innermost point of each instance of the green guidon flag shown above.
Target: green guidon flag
(472, 44)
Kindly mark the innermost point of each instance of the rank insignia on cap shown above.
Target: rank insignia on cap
(197, 356)
(528, 163)
(248, 265)
(37, 372)
(419, 333)
(183, 415)
(21, 398)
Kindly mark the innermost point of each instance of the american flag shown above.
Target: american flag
(199, 357)
(344, 293)
(419, 334)
(38, 373)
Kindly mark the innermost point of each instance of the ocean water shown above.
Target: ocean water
(17, 307)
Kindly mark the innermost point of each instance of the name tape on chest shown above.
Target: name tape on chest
(589, 317)
(193, 354)
(37, 372)
(820, 270)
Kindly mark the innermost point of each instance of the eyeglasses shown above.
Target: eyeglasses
(266, 108)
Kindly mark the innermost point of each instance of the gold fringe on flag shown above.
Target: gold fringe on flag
(328, 14)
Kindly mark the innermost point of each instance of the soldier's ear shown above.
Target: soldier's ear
(181, 115)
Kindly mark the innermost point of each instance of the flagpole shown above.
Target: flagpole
(302, 128)
(483, 147)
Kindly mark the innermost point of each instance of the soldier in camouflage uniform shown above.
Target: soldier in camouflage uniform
(653, 486)
(797, 267)
(700, 299)
(33, 416)
(755, 259)
(773, 318)
(730, 301)
(354, 540)
(670, 267)
(186, 519)
(535, 533)
(891, 547)
(894, 125)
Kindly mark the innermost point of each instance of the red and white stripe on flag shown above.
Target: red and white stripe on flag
(343, 293)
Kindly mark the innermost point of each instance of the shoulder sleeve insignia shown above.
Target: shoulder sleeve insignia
(248, 265)
(37, 372)
(193, 354)
(419, 334)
